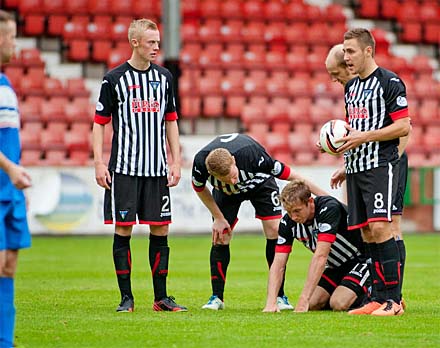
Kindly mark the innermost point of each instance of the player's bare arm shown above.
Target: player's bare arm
(173, 141)
(315, 189)
(355, 138)
(18, 175)
(220, 227)
(316, 268)
(276, 274)
(102, 175)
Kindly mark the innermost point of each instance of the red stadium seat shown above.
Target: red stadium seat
(298, 87)
(54, 157)
(210, 8)
(233, 56)
(276, 85)
(299, 112)
(31, 57)
(30, 157)
(190, 54)
(209, 32)
(78, 158)
(189, 32)
(101, 50)
(253, 9)
(152, 8)
(296, 33)
(30, 139)
(213, 106)
(234, 105)
(76, 140)
(30, 7)
(300, 141)
(32, 82)
(119, 29)
(389, 8)
(78, 50)
(429, 12)
(122, 8)
(190, 106)
(254, 111)
(14, 74)
(54, 87)
(231, 9)
(368, 8)
(101, 7)
(189, 82)
(79, 111)
(275, 32)
(51, 7)
(431, 33)
(190, 9)
(231, 31)
(255, 56)
(209, 85)
(30, 109)
(276, 142)
(210, 56)
(253, 32)
(408, 11)
(34, 24)
(305, 158)
(296, 11)
(52, 110)
(77, 7)
(100, 28)
(232, 83)
(334, 13)
(55, 24)
(255, 83)
(411, 32)
(274, 10)
(76, 87)
(118, 55)
(76, 28)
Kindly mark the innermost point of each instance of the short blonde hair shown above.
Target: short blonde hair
(219, 162)
(138, 26)
(296, 190)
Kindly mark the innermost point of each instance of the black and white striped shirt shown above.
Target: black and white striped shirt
(139, 103)
(328, 225)
(370, 104)
(254, 164)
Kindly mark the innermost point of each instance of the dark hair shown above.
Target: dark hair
(6, 16)
(363, 36)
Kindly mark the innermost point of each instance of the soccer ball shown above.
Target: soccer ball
(330, 131)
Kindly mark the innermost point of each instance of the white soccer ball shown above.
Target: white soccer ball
(331, 131)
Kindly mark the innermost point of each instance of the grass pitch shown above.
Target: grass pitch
(66, 296)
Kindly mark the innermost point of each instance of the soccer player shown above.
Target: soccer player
(138, 98)
(239, 169)
(338, 71)
(377, 111)
(14, 230)
(338, 275)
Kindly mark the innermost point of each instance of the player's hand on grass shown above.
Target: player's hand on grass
(102, 175)
(174, 175)
(221, 231)
(337, 178)
(302, 306)
(271, 308)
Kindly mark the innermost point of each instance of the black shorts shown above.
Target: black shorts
(370, 196)
(402, 169)
(353, 275)
(147, 198)
(265, 200)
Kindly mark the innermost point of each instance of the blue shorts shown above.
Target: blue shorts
(14, 229)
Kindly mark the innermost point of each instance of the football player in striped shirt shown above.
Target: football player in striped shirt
(377, 112)
(337, 69)
(238, 169)
(138, 98)
(338, 276)
(14, 230)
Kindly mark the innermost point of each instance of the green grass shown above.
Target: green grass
(66, 295)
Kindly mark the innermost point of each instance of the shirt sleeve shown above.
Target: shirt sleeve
(396, 102)
(266, 164)
(328, 219)
(170, 110)
(104, 105)
(199, 172)
(285, 236)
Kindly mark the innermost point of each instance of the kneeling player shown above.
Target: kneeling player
(338, 275)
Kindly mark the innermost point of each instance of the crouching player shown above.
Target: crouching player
(338, 276)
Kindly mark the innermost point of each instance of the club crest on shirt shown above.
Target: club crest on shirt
(154, 84)
(401, 101)
(367, 92)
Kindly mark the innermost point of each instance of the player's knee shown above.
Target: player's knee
(338, 303)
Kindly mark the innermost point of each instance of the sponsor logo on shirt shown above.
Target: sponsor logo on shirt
(139, 105)
(355, 112)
